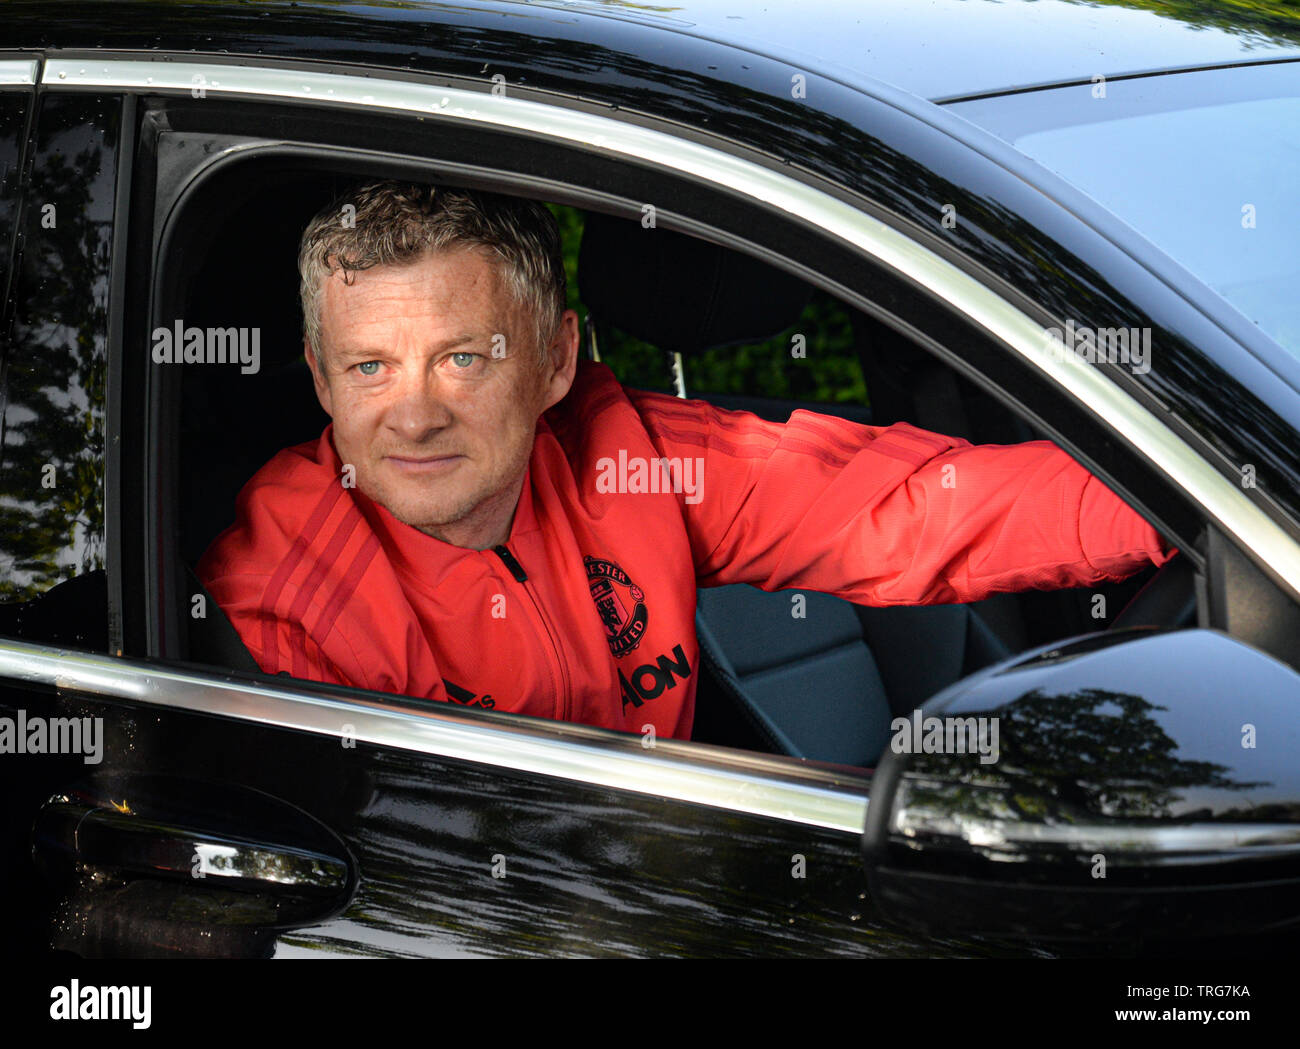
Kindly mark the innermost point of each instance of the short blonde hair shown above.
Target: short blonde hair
(385, 223)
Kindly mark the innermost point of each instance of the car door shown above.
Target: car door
(58, 164)
(388, 832)
(236, 814)
(339, 823)
(203, 815)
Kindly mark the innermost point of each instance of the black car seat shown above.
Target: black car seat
(825, 686)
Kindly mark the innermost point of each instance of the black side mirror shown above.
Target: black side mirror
(1127, 785)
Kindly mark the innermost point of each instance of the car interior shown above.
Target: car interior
(824, 687)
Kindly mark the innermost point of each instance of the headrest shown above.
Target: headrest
(681, 293)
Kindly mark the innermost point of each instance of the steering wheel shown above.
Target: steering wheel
(1167, 600)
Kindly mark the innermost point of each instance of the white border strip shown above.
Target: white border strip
(1227, 503)
(444, 735)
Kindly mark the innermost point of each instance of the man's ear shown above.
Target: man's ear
(561, 360)
(317, 377)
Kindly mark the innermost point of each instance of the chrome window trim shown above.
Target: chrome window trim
(1123, 842)
(657, 771)
(1148, 436)
(18, 72)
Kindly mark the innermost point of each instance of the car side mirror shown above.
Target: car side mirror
(1127, 785)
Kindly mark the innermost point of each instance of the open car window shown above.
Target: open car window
(821, 683)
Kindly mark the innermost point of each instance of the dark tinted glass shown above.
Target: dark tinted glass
(52, 446)
(1205, 165)
(13, 115)
(1225, 212)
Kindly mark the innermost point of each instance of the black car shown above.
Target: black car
(1003, 222)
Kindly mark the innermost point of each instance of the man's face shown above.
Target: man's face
(438, 428)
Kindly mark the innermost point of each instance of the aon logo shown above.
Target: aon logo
(650, 679)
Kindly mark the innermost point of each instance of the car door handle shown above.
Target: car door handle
(199, 837)
(121, 842)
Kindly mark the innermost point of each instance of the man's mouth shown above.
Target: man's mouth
(424, 464)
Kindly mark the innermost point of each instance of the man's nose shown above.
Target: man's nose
(419, 409)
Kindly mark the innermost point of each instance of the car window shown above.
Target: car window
(13, 118)
(1220, 212)
(1219, 194)
(868, 663)
(52, 553)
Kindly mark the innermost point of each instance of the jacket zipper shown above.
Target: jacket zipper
(521, 577)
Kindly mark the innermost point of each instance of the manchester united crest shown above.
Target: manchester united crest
(614, 594)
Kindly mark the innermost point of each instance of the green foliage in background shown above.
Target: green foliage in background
(1277, 20)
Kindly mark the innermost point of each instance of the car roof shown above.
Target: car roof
(935, 49)
(946, 49)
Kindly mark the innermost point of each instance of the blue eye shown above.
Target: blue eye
(368, 364)
(463, 360)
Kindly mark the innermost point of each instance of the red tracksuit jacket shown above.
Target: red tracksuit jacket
(587, 612)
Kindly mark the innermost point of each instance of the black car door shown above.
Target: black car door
(205, 814)
(58, 168)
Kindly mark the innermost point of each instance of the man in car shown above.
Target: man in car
(489, 521)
